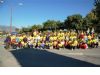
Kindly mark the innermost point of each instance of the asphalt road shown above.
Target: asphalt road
(49, 58)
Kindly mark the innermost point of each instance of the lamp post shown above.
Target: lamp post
(11, 19)
(11, 12)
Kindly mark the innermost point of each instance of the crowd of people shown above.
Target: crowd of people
(52, 40)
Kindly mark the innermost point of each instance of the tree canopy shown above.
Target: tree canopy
(75, 21)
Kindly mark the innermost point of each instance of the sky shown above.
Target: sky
(29, 12)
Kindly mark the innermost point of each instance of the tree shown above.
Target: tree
(60, 25)
(97, 12)
(17, 30)
(51, 24)
(74, 22)
(97, 9)
(24, 30)
(36, 27)
(91, 19)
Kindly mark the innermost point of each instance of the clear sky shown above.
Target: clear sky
(29, 12)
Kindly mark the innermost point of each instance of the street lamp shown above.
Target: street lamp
(11, 11)
(11, 19)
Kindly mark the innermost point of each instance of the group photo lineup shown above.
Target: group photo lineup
(49, 33)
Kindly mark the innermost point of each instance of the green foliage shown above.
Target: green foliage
(74, 21)
(25, 29)
(51, 24)
(97, 9)
(36, 27)
(91, 19)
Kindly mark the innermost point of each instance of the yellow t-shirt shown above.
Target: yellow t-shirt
(60, 45)
(30, 37)
(24, 36)
(13, 37)
(44, 38)
(70, 37)
(21, 38)
(41, 38)
(62, 34)
(33, 38)
(94, 40)
(51, 43)
(34, 33)
(55, 38)
(59, 34)
(51, 38)
(89, 42)
(89, 37)
(23, 43)
(39, 43)
(47, 43)
(74, 37)
(75, 43)
(61, 38)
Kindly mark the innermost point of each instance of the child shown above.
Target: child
(62, 43)
(89, 42)
(94, 43)
(14, 43)
(7, 42)
(51, 44)
(55, 44)
(59, 45)
(74, 44)
(38, 44)
(34, 44)
(42, 45)
(83, 45)
(81, 36)
(30, 41)
(47, 45)
(66, 43)
(69, 44)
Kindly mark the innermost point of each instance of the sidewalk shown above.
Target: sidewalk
(7, 59)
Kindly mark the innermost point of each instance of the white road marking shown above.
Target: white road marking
(75, 53)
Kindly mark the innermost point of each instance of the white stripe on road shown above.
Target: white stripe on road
(75, 53)
(71, 53)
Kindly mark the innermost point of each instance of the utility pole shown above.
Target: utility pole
(11, 12)
(11, 19)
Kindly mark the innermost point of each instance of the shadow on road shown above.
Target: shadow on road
(44, 58)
